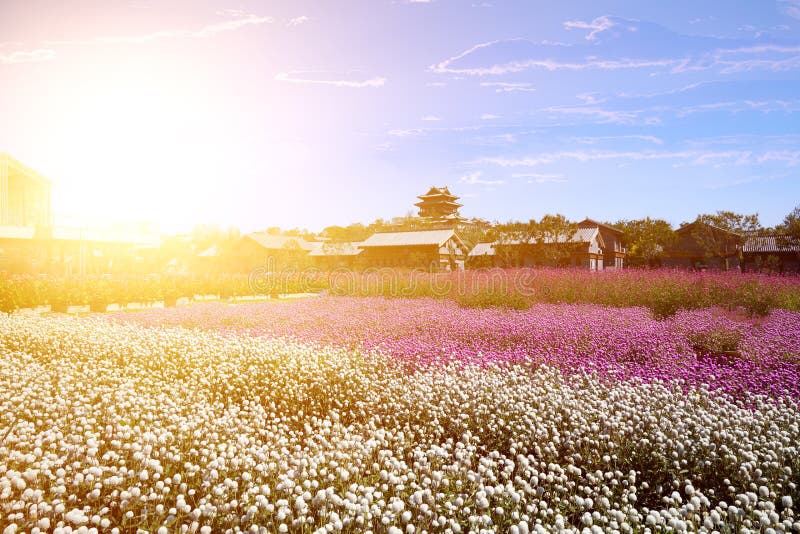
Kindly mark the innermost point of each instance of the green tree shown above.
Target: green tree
(512, 240)
(646, 239)
(723, 233)
(790, 228)
(553, 236)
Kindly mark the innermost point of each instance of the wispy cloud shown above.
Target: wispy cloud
(540, 178)
(507, 87)
(297, 76)
(791, 8)
(430, 118)
(240, 20)
(489, 116)
(602, 115)
(497, 139)
(736, 106)
(598, 25)
(297, 21)
(475, 179)
(692, 157)
(597, 139)
(27, 56)
(413, 132)
(448, 66)
(631, 45)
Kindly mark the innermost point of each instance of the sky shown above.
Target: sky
(313, 113)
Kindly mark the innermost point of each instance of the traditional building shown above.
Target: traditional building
(328, 256)
(482, 255)
(584, 248)
(690, 252)
(773, 253)
(613, 251)
(267, 251)
(438, 205)
(437, 250)
(594, 246)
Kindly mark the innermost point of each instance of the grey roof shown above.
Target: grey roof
(581, 235)
(323, 248)
(768, 243)
(688, 226)
(589, 223)
(279, 242)
(405, 239)
(482, 249)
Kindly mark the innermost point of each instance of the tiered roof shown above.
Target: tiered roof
(438, 203)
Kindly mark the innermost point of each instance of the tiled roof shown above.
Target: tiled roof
(405, 239)
(689, 226)
(588, 223)
(581, 235)
(323, 248)
(279, 242)
(482, 249)
(768, 243)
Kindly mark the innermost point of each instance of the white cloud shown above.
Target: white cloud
(507, 87)
(595, 139)
(541, 178)
(241, 20)
(447, 66)
(489, 116)
(475, 179)
(407, 132)
(27, 56)
(700, 57)
(297, 21)
(430, 118)
(293, 78)
(598, 25)
(589, 99)
(604, 116)
(691, 157)
(497, 139)
(412, 132)
(791, 8)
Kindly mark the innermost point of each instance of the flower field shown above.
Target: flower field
(342, 414)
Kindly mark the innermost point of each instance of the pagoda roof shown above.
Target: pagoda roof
(438, 192)
(439, 203)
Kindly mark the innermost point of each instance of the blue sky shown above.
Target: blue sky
(301, 113)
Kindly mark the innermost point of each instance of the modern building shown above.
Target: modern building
(24, 195)
(437, 250)
(31, 244)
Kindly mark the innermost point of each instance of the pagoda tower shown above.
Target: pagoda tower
(439, 205)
